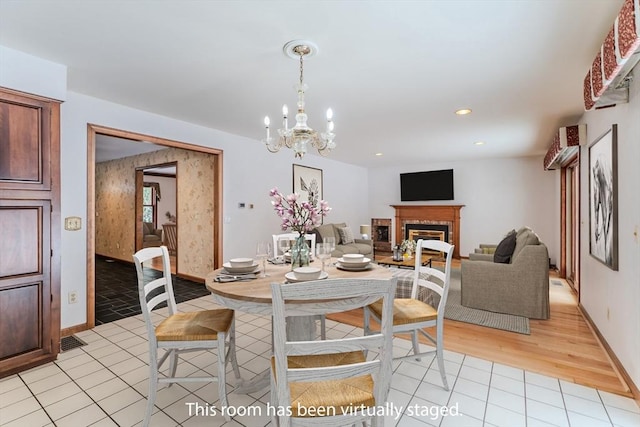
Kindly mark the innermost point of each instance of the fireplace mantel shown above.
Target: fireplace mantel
(448, 213)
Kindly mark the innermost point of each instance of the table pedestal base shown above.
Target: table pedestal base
(299, 328)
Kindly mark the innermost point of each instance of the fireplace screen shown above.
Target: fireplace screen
(426, 235)
(427, 232)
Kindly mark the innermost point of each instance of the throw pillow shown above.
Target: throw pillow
(505, 249)
(488, 250)
(346, 235)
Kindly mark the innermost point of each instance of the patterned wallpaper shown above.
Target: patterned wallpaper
(115, 207)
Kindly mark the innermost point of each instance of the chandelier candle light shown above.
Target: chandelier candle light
(300, 136)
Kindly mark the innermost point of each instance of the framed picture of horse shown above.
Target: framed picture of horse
(603, 198)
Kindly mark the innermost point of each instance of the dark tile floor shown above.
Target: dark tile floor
(117, 290)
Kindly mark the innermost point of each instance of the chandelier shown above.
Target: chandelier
(301, 136)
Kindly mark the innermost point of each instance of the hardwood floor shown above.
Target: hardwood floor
(157, 263)
(563, 346)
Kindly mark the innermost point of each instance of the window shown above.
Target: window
(149, 200)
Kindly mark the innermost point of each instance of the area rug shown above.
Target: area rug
(456, 311)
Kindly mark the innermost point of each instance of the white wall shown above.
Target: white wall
(612, 298)
(498, 194)
(30, 74)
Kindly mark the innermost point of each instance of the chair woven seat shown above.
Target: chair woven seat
(194, 326)
(407, 310)
(333, 396)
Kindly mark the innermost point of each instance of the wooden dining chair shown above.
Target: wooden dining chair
(331, 377)
(412, 315)
(181, 332)
(171, 237)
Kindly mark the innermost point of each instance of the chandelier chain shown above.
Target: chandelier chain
(301, 69)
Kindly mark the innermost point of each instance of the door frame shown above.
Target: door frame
(570, 199)
(92, 131)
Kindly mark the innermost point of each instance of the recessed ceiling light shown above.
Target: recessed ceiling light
(463, 111)
(378, 154)
(479, 143)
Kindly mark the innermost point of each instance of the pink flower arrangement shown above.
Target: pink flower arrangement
(297, 215)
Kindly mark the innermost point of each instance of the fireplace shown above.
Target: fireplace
(381, 234)
(441, 222)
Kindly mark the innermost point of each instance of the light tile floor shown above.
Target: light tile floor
(105, 384)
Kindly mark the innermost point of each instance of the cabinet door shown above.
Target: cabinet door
(25, 142)
(25, 282)
(29, 230)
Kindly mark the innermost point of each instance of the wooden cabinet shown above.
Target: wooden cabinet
(29, 231)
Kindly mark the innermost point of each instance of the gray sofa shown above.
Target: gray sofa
(520, 287)
(359, 246)
(484, 252)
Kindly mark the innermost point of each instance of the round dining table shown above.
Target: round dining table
(254, 296)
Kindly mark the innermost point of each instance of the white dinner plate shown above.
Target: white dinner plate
(291, 277)
(359, 264)
(239, 270)
(349, 267)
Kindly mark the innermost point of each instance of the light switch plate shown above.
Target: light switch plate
(73, 223)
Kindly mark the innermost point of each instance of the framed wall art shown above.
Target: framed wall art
(307, 182)
(603, 198)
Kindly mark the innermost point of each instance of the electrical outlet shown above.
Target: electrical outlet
(73, 297)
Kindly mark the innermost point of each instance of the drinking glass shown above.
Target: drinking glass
(283, 247)
(331, 241)
(263, 251)
(323, 251)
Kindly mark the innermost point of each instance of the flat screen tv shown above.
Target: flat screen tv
(428, 185)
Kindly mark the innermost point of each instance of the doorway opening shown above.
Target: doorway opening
(156, 209)
(114, 212)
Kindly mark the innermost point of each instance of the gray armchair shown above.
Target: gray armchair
(520, 288)
(151, 237)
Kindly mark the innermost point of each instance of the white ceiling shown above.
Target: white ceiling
(393, 71)
(111, 147)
